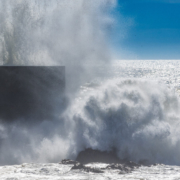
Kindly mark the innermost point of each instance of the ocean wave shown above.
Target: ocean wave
(140, 119)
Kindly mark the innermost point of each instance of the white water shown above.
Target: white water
(59, 171)
(57, 32)
(137, 114)
(132, 106)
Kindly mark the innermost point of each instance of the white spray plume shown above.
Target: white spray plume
(139, 119)
(71, 33)
(58, 32)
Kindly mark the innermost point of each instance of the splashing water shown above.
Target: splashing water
(57, 32)
(66, 32)
(137, 117)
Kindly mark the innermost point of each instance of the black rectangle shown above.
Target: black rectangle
(31, 92)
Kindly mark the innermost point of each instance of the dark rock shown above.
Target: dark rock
(122, 167)
(155, 164)
(90, 155)
(86, 169)
(115, 166)
(130, 163)
(94, 170)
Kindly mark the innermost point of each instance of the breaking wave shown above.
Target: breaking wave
(138, 118)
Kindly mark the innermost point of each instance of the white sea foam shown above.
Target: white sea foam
(138, 118)
(58, 32)
(138, 115)
(133, 107)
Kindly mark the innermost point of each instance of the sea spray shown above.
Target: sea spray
(42, 33)
(58, 32)
(139, 119)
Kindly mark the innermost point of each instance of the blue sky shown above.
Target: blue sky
(146, 29)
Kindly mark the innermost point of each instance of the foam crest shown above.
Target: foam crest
(137, 118)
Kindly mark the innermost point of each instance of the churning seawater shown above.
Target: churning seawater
(135, 110)
(130, 106)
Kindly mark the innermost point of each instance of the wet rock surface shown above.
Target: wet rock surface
(85, 158)
(87, 169)
(90, 155)
(123, 168)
